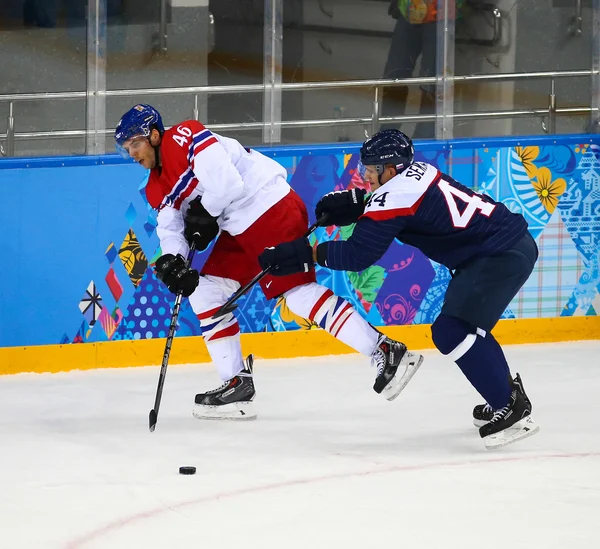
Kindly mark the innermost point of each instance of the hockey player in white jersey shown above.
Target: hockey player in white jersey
(204, 185)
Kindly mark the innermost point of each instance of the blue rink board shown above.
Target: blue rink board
(80, 240)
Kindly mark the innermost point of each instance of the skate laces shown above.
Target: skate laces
(487, 408)
(378, 359)
(213, 391)
(499, 414)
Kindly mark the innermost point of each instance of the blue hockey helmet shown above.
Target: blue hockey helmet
(388, 147)
(137, 122)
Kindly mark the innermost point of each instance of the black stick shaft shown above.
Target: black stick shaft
(153, 418)
(229, 306)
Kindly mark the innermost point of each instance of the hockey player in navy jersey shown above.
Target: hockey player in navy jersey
(488, 250)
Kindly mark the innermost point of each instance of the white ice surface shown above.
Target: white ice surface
(328, 464)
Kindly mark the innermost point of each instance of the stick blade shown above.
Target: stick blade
(225, 310)
(152, 420)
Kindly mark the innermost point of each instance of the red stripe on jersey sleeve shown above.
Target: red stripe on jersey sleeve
(383, 215)
(187, 191)
(204, 144)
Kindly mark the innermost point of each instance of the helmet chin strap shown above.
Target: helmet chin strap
(156, 148)
(380, 169)
(156, 155)
(156, 152)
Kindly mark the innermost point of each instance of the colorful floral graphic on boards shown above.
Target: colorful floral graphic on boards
(555, 186)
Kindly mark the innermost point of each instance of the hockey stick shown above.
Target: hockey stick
(165, 361)
(229, 306)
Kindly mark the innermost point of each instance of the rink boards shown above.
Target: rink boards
(79, 289)
(298, 343)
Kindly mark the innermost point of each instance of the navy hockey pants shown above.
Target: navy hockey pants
(481, 289)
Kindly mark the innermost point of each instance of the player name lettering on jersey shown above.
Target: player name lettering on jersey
(402, 194)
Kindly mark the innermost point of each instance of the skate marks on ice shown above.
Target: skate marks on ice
(310, 487)
(328, 463)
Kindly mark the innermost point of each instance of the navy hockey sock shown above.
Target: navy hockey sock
(477, 354)
(499, 352)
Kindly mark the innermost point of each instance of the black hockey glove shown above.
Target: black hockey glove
(288, 258)
(342, 207)
(171, 269)
(200, 226)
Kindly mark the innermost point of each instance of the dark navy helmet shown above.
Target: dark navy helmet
(388, 147)
(137, 122)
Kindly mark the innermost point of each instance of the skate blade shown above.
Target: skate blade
(236, 411)
(520, 430)
(410, 362)
(479, 422)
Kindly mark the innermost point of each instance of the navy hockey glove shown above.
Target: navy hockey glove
(200, 226)
(342, 207)
(288, 258)
(171, 269)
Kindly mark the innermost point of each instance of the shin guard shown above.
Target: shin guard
(476, 354)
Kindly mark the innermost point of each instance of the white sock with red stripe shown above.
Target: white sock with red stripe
(222, 336)
(334, 314)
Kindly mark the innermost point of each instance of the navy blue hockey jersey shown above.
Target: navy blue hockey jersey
(429, 210)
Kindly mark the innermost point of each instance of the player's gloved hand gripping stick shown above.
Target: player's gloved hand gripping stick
(229, 306)
(342, 207)
(165, 361)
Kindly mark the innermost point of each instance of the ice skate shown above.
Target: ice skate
(395, 366)
(511, 423)
(483, 413)
(233, 400)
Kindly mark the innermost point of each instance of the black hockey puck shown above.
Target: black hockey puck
(187, 470)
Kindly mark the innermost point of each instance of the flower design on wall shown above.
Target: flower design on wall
(288, 316)
(527, 156)
(555, 186)
(397, 309)
(548, 191)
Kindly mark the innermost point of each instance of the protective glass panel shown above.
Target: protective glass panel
(43, 45)
(237, 60)
(505, 36)
(341, 40)
(154, 44)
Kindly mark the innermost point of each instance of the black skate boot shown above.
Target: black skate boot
(233, 400)
(511, 423)
(395, 366)
(483, 413)
(519, 384)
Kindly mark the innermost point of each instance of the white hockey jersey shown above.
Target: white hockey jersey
(237, 185)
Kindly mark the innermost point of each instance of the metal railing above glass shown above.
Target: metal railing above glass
(370, 124)
(317, 71)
